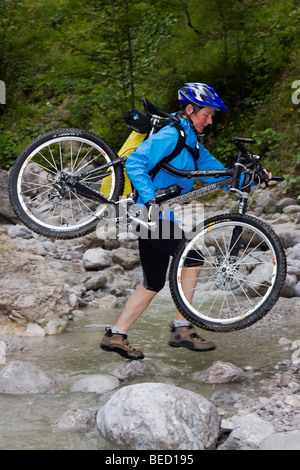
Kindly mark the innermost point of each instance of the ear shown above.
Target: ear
(189, 109)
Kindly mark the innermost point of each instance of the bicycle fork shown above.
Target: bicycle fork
(236, 238)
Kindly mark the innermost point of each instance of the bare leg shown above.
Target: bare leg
(189, 280)
(135, 306)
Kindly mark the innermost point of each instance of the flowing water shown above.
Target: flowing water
(28, 421)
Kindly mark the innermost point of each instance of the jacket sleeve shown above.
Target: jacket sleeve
(147, 155)
(207, 162)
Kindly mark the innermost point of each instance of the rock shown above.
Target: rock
(291, 209)
(282, 441)
(296, 358)
(287, 201)
(96, 282)
(7, 214)
(107, 301)
(296, 292)
(96, 384)
(224, 372)
(19, 231)
(289, 286)
(77, 419)
(294, 252)
(248, 432)
(295, 345)
(19, 377)
(267, 202)
(132, 369)
(126, 257)
(31, 292)
(156, 416)
(2, 352)
(96, 258)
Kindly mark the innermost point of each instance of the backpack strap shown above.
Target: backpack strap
(179, 147)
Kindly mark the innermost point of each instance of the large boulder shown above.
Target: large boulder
(32, 297)
(19, 377)
(150, 416)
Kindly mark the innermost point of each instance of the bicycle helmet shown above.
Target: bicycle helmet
(200, 94)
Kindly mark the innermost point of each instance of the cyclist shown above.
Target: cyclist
(197, 104)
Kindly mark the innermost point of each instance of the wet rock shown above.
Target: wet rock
(224, 372)
(107, 301)
(159, 416)
(76, 419)
(132, 369)
(19, 377)
(96, 384)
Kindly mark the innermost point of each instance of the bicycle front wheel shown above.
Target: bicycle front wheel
(239, 277)
(41, 189)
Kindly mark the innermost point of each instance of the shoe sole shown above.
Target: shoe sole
(182, 345)
(121, 352)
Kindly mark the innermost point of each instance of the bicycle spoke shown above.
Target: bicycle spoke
(224, 290)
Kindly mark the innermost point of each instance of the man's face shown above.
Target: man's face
(202, 118)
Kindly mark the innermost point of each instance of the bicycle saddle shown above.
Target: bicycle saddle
(152, 109)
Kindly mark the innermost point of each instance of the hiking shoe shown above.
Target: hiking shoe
(186, 337)
(119, 344)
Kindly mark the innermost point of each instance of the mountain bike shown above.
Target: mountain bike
(66, 182)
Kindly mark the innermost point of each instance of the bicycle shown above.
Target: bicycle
(64, 182)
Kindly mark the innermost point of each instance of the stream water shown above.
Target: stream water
(28, 421)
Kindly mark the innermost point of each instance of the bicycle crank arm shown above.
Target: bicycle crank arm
(147, 225)
(90, 193)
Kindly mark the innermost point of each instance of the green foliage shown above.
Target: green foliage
(82, 63)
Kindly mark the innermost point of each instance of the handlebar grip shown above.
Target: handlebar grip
(246, 140)
(277, 178)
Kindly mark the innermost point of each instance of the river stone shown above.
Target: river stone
(156, 416)
(2, 352)
(132, 369)
(76, 419)
(267, 202)
(19, 377)
(96, 258)
(248, 432)
(224, 372)
(126, 257)
(96, 384)
(282, 441)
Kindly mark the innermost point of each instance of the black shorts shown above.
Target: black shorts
(155, 252)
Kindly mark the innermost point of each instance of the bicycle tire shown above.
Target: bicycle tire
(229, 293)
(35, 188)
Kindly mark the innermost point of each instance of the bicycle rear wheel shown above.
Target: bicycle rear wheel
(242, 274)
(41, 189)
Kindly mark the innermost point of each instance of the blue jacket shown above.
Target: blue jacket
(154, 149)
